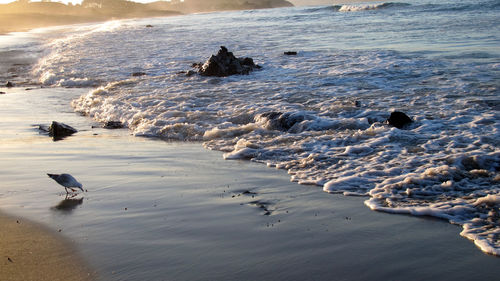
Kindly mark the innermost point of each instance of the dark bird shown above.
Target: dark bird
(66, 180)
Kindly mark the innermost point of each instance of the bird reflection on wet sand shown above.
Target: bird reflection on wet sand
(68, 204)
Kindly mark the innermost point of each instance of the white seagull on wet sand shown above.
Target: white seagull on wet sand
(66, 180)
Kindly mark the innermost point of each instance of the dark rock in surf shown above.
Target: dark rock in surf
(113, 125)
(3, 93)
(290, 53)
(190, 73)
(149, 25)
(9, 84)
(136, 74)
(281, 121)
(58, 131)
(399, 120)
(225, 64)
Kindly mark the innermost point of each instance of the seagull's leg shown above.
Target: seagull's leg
(65, 188)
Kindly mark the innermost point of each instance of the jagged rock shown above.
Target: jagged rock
(290, 53)
(113, 125)
(58, 130)
(399, 119)
(9, 84)
(225, 64)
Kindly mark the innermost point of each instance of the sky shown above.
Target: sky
(295, 2)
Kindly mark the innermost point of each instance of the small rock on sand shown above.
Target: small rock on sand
(113, 125)
(58, 130)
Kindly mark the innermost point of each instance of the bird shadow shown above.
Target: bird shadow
(68, 204)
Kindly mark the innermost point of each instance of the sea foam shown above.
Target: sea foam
(366, 7)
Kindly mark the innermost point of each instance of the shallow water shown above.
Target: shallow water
(437, 61)
(159, 210)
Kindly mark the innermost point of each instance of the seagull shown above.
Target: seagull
(66, 180)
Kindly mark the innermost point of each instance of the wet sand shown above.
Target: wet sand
(31, 252)
(159, 210)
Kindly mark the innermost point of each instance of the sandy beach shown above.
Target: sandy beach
(32, 252)
(159, 210)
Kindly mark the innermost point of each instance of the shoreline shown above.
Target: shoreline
(157, 209)
(30, 251)
(11, 23)
(19, 18)
(168, 203)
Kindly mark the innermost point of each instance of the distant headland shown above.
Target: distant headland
(23, 15)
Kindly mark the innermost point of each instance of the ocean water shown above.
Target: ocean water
(437, 61)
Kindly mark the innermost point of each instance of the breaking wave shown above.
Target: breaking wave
(366, 7)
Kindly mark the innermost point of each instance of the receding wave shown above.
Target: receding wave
(366, 7)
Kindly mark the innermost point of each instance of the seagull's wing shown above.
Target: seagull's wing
(68, 180)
